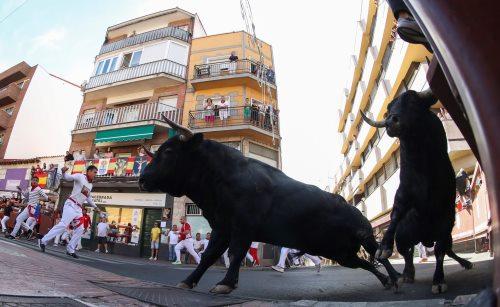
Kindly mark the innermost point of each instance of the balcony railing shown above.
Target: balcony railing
(128, 114)
(228, 68)
(157, 67)
(146, 37)
(9, 93)
(4, 119)
(352, 150)
(356, 180)
(236, 116)
(112, 167)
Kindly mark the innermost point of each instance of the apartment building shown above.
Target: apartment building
(140, 74)
(239, 70)
(30, 98)
(382, 67)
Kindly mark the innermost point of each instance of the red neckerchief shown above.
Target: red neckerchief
(34, 187)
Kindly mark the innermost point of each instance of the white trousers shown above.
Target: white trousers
(30, 223)
(422, 252)
(284, 253)
(23, 216)
(249, 257)
(188, 245)
(5, 219)
(226, 258)
(71, 211)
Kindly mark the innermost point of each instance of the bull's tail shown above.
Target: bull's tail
(370, 245)
(464, 263)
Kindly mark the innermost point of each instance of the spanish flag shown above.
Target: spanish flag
(78, 167)
(42, 179)
(130, 166)
(112, 166)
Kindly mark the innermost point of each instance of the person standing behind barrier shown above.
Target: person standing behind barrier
(185, 241)
(102, 236)
(173, 239)
(6, 214)
(155, 241)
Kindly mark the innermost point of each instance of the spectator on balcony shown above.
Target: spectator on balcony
(141, 152)
(68, 157)
(408, 28)
(109, 153)
(267, 119)
(97, 154)
(223, 111)
(247, 110)
(233, 57)
(208, 106)
(233, 62)
(255, 114)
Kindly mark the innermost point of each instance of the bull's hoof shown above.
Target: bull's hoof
(439, 288)
(183, 285)
(407, 279)
(468, 265)
(383, 254)
(221, 289)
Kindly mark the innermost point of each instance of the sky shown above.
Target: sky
(311, 40)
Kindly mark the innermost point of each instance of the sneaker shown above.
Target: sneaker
(106, 252)
(155, 258)
(318, 267)
(151, 258)
(97, 251)
(55, 244)
(410, 31)
(11, 237)
(72, 255)
(277, 268)
(177, 262)
(41, 245)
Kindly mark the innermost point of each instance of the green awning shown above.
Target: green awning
(125, 134)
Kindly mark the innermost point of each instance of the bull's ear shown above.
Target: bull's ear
(427, 98)
(195, 141)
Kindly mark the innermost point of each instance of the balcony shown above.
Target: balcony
(239, 118)
(385, 144)
(15, 73)
(375, 203)
(395, 62)
(367, 71)
(348, 124)
(4, 120)
(359, 95)
(365, 128)
(147, 113)
(391, 185)
(227, 71)
(352, 150)
(346, 164)
(357, 178)
(380, 26)
(9, 94)
(141, 38)
(147, 76)
(378, 101)
(455, 139)
(373, 158)
(347, 190)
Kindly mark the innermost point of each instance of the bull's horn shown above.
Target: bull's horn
(149, 153)
(184, 132)
(380, 124)
(428, 97)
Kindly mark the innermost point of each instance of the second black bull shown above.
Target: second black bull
(245, 200)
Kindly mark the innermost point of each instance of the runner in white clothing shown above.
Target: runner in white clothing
(280, 267)
(33, 195)
(72, 211)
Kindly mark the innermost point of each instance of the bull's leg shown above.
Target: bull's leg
(216, 247)
(355, 262)
(409, 270)
(399, 211)
(406, 238)
(238, 248)
(464, 263)
(438, 282)
(370, 245)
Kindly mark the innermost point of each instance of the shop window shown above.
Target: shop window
(128, 223)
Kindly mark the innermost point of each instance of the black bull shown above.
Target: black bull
(245, 200)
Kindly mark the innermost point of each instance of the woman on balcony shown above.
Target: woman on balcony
(209, 112)
(223, 111)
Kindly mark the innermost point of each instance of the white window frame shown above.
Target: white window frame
(110, 59)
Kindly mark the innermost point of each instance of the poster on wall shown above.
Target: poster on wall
(102, 167)
(130, 199)
(135, 219)
(12, 184)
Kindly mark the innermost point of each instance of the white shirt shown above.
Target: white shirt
(173, 237)
(80, 187)
(34, 195)
(102, 229)
(205, 243)
(197, 244)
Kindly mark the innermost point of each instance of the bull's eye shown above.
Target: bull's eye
(385, 115)
(395, 119)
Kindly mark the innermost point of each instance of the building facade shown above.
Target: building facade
(31, 97)
(164, 64)
(382, 67)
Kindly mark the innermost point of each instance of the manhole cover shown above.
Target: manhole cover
(171, 296)
(6, 300)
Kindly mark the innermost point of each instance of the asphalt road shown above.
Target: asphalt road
(332, 284)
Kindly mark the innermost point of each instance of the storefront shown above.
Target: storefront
(131, 217)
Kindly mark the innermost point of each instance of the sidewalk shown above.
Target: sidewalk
(28, 276)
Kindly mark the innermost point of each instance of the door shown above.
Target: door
(150, 217)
